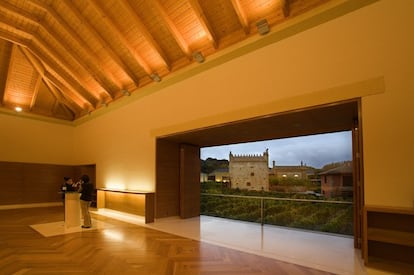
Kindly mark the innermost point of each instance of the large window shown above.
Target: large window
(289, 191)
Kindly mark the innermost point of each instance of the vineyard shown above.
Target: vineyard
(290, 210)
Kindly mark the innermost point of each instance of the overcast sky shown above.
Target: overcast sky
(315, 150)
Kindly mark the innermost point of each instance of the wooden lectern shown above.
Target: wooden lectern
(72, 209)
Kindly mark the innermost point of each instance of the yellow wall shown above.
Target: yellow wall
(365, 53)
(372, 46)
(34, 141)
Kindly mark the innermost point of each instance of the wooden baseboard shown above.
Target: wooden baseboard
(29, 205)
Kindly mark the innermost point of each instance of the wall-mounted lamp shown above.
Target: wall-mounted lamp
(262, 27)
(198, 56)
(155, 77)
(18, 109)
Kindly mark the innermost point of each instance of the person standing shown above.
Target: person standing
(86, 190)
(67, 186)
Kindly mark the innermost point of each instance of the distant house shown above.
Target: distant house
(203, 177)
(301, 171)
(338, 181)
(219, 175)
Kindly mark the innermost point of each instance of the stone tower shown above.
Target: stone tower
(249, 172)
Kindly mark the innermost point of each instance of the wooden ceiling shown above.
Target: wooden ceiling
(66, 58)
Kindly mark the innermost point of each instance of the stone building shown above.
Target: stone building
(301, 171)
(249, 172)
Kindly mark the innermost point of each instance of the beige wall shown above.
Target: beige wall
(365, 53)
(34, 141)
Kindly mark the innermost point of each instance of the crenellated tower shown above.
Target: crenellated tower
(249, 172)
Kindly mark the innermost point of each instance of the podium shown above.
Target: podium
(72, 209)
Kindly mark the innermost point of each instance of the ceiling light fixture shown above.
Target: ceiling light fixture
(126, 92)
(18, 109)
(155, 77)
(262, 27)
(198, 56)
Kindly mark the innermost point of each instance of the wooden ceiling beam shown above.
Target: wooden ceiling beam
(47, 55)
(111, 53)
(22, 14)
(94, 65)
(12, 37)
(204, 22)
(67, 92)
(8, 73)
(111, 25)
(173, 29)
(5, 60)
(244, 22)
(42, 72)
(147, 35)
(23, 42)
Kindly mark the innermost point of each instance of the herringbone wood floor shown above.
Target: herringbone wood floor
(135, 250)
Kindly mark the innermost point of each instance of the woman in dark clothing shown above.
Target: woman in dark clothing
(86, 190)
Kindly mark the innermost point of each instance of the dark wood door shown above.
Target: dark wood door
(358, 183)
(189, 181)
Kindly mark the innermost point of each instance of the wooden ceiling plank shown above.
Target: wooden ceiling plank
(109, 23)
(74, 56)
(111, 53)
(57, 67)
(241, 15)
(198, 11)
(38, 47)
(41, 71)
(53, 62)
(12, 37)
(68, 92)
(99, 68)
(147, 35)
(173, 29)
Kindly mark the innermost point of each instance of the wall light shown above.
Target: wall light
(18, 109)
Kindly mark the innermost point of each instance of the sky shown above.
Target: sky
(314, 150)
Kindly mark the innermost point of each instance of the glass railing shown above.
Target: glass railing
(311, 214)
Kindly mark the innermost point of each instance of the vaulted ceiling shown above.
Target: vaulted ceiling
(66, 58)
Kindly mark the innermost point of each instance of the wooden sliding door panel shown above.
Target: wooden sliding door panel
(189, 181)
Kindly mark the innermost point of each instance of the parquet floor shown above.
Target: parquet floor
(122, 248)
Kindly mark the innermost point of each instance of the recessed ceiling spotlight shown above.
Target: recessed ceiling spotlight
(126, 92)
(263, 27)
(198, 56)
(155, 77)
(18, 109)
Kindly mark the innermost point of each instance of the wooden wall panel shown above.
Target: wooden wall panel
(11, 178)
(24, 183)
(126, 202)
(86, 170)
(189, 181)
(167, 179)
